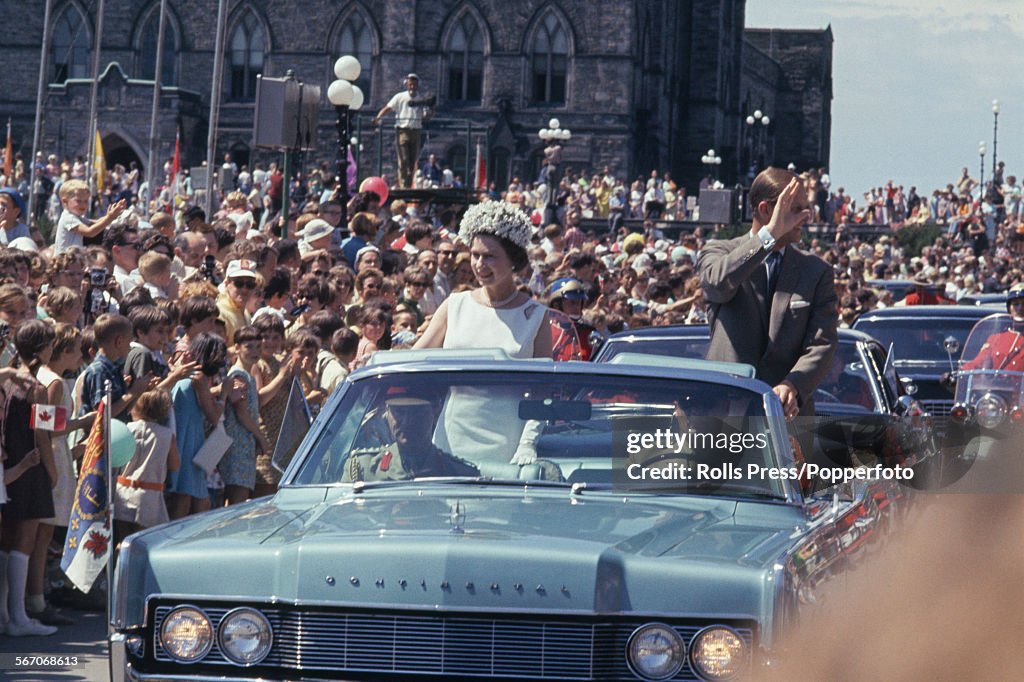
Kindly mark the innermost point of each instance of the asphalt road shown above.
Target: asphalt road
(84, 641)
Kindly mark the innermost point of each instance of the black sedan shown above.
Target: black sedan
(926, 342)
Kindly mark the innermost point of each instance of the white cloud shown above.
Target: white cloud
(940, 16)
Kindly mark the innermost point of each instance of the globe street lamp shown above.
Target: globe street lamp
(554, 135)
(995, 133)
(346, 98)
(758, 140)
(712, 161)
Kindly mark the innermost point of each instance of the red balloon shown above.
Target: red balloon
(375, 184)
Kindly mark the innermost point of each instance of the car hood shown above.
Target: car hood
(468, 547)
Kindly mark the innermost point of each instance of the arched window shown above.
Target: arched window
(147, 49)
(356, 39)
(549, 61)
(246, 51)
(466, 61)
(69, 54)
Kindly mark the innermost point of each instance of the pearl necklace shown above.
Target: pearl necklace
(502, 302)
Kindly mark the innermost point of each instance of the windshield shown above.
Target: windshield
(847, 381)
(996, 343)
(532, 427)
(691, 347)
(917, 339)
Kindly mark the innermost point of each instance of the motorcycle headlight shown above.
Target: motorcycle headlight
(186, 634)
(655, 652)
(990, 410)
(718, 653)
(245, 636)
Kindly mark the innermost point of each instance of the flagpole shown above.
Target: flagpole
(215, 96)
(109, 398)
(151, 167)
(97, 40)
(37, 131)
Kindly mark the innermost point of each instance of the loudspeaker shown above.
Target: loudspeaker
(717, 206)
(287, 114)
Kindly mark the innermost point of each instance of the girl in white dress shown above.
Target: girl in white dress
(483, 425)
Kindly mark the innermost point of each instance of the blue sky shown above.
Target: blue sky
(913, 85)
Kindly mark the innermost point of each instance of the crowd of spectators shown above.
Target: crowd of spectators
(198, 320)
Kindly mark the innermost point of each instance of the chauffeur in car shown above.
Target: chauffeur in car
(411, 454)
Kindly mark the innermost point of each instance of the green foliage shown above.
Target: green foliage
(46, 228)
(915, 237)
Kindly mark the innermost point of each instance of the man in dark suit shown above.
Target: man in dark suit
(771, 305)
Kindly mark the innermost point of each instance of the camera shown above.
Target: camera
(98, 277)
(208, 267)
(5, 331)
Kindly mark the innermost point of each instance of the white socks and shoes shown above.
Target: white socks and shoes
(19, 624)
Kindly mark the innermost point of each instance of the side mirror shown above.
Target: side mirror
(909, 387)
(951, 344)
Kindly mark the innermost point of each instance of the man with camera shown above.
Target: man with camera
(410, 113)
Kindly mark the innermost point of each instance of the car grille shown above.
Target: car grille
(339, 642)
(939, 409)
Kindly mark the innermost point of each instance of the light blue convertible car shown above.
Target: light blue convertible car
(457, 515)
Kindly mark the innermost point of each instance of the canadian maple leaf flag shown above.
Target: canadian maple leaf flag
(48, 418)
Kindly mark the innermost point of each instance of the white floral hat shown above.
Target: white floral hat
(498, 218)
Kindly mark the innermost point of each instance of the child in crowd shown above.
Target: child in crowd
(198, 316)
(113, 337)
(150, 326)
(138, 497)
(155, 269)
(66, 357)
(329, 371)
(242, 422)
(73, 228)
(344, 345)
(30, 496)
(305, 346)
(373, 325)
(274, 381)
(63, 305)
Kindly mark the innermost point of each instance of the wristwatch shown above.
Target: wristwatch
(764, 235)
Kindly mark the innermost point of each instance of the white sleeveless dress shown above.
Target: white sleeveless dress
(481, 424)
(67, 481)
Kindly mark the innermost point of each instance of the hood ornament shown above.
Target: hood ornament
(456, 518)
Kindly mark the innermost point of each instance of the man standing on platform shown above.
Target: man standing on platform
(410, 112)
(771, 305)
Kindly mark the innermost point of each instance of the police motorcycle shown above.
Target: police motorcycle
(990, 378)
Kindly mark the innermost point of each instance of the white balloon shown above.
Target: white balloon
(347, 68)
(357, 98)
(553, 123)
(340, 93)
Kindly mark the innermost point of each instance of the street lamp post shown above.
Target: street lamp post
(981, 183)
(758, 140)
(346, 98)
(554, 135)
(712, 161)
(995, 134)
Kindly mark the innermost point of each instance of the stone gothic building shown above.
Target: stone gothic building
(641, 84)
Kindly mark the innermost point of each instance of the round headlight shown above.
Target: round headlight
(655, 652)
(718, 653)
(186, 634)
(990, 410)
(245, 636)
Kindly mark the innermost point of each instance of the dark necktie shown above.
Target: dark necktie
(772, 265)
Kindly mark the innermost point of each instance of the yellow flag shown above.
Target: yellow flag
(99, 163)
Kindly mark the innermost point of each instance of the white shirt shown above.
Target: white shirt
(406, 116)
